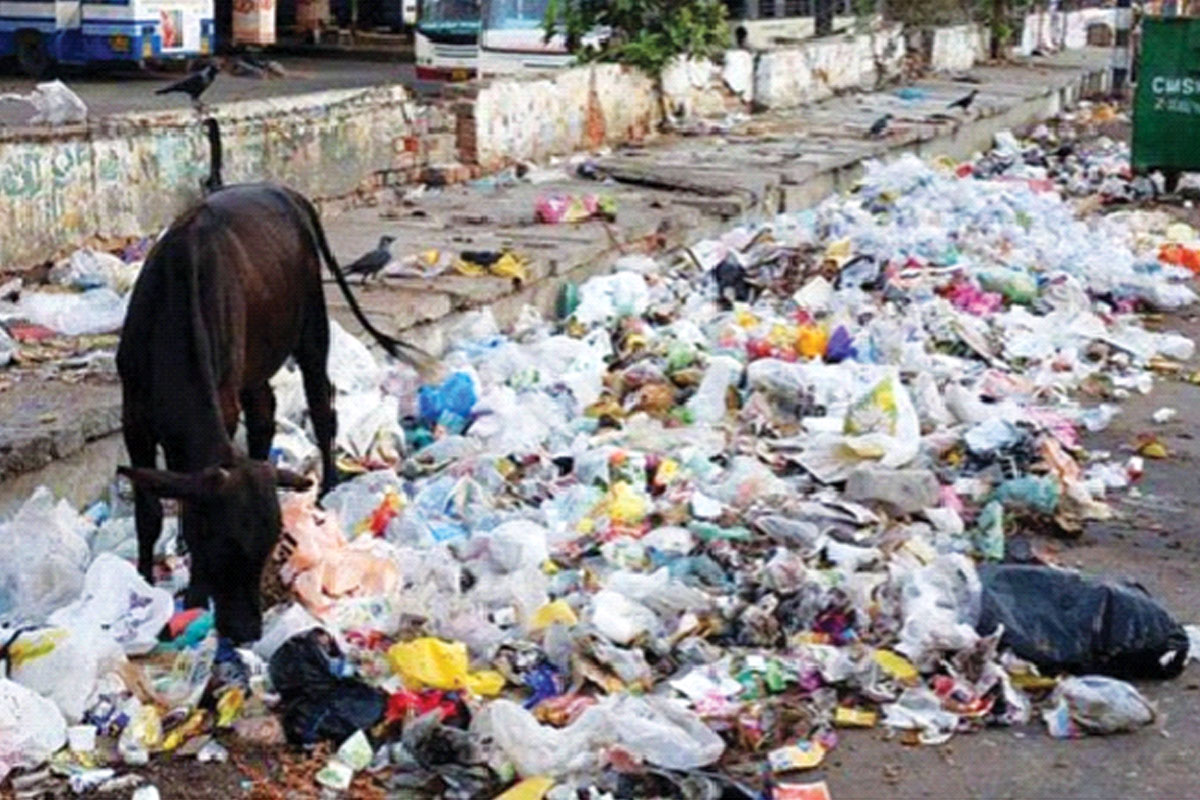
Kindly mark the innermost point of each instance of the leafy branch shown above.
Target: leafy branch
(643, 33)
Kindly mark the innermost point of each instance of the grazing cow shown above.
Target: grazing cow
(225, 297)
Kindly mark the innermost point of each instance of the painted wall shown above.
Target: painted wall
(131, 175)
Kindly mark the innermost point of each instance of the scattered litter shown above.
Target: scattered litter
(1096, 704)
(1164, 415)
(731, 500)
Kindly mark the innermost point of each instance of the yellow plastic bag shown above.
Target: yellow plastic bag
(624, 505)
(528, 789)
(896, 665)
(435, 664)
(812, 341)
(556, 612)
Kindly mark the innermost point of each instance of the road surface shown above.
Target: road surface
(121, 90)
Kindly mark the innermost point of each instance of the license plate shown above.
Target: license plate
(119, 44)
(459, 74)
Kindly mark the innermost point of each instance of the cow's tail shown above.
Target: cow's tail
(423, 362)
(214, 180)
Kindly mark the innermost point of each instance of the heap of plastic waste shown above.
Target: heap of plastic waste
(723, 508)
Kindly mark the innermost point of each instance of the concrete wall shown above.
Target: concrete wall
(819, 69)
(956, 48)
(529, 119)
(1050, 32)
(132, 175)
(699, 88)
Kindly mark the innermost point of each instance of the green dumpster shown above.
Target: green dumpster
(1166, 108)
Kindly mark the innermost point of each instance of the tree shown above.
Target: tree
(643, 33)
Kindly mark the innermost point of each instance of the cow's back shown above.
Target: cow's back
(221, 299)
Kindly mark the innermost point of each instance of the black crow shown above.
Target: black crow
(880, 125)
(965, 101)
(374, 261)
(193, 85)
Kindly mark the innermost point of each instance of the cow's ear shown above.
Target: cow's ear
(286, 479)
(164, 482)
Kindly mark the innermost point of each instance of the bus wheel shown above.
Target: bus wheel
(32, 54)
(1171, 180)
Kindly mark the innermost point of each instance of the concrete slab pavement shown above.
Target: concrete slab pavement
(680, 188)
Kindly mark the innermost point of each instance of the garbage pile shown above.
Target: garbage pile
(76, 313)
(675, 541)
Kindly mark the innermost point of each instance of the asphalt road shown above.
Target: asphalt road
(120, 90)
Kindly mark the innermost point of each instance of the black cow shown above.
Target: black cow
(225, 297)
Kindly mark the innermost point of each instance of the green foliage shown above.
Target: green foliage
(642, 33)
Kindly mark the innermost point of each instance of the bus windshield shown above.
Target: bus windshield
(516, 14)
(450, 14)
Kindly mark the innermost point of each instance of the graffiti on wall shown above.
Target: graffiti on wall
(116, 181)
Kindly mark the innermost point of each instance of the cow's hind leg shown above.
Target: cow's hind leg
(148, 512)
(258, 403)
(312, 355)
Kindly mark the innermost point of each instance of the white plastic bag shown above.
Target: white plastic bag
(31, 728)
(8, 348)
(94, 269)
(352, 368)
(620, 619)
(1098, 705)
(73, 314)
(607, 296)
(657, 730)
(355, 500)
(54, 103)
(884, 421)
(63, 664)
(118, 601)
(708, 403)
(940, 603)
(45, 553)
(281, 624)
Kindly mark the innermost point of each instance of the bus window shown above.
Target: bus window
(434, 12)
(516, 14)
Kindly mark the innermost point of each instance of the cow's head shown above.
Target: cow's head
(232, 523)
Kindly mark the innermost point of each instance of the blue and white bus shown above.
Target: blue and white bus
(41, 33)
(447, 39)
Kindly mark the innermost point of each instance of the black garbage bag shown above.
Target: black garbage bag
(317, 703)
(1064, 622)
